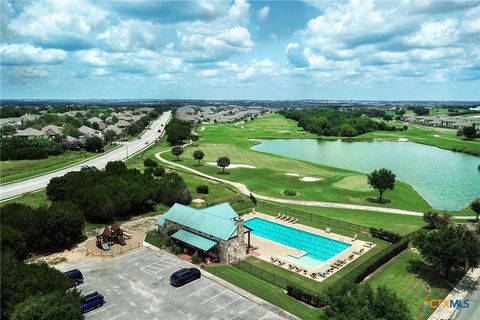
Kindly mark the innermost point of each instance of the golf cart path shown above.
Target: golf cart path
(244, 190)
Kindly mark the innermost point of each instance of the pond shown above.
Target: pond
(446, 180)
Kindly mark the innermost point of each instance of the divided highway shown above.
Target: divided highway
(126, 150)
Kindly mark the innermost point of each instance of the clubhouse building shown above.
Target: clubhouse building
(214, 231)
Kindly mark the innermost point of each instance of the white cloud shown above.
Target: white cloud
(67, 24)
(247, 73)
(239, 12)
(165, 77)
(262, 14)
(26, 54)
(208, 73)
(129, 35)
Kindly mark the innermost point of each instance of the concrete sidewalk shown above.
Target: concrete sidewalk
(462, 291)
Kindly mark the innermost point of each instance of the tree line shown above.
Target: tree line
(117, 191)
(329, 122)
(16, 148)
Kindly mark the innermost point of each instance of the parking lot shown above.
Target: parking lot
(137, 286)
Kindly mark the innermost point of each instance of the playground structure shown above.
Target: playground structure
(111, 236)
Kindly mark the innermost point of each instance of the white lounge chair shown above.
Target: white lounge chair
(286, 218)
(278, 215)
(327, 230)
(355, 237)
(291, 219)
(295, 221)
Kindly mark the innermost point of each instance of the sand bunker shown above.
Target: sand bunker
(292, 174)
(436, 136)
(309, 179)
(234, 165)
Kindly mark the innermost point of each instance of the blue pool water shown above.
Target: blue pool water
(319, 249)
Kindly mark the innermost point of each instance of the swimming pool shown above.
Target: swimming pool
(319, 249)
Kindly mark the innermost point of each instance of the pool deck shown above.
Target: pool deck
(267, 249)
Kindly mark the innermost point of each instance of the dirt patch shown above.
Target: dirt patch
(136, 225)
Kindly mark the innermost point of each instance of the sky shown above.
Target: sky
(274, 50)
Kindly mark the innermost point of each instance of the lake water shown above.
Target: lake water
(446, 180)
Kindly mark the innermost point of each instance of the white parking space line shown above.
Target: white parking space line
(265, 316)
(225, 305)
(191, 294)
(214, 296)
(148, 254)
(118, 315)
(156, 267)
(244, 311)
(184, 286)
(103, 309)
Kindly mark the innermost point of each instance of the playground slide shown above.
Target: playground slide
(105, 246)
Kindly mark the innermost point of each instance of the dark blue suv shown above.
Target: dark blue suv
(91, 301)
(184, 276)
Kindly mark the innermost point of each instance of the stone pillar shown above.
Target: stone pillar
(240, 229)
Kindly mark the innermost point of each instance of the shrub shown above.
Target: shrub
(176, 249)
(159, 171)
(148, 171)
(195, 258)
(202, 189)
(289, 193)
(149, 163)
(385, 235)
(308, 297)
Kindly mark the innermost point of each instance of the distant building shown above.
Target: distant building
(30, 133)
(122, 124)
(203, 229)
(52, 130)
(87, 131)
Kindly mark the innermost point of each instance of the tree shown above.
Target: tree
(381, 180)
(13, 240)
(150, 163)
(109, 136)
(194, 138)
(435, 220)
(469, 132)
(364, 302)
(387, 117)
(116, 167)
(159, 171)
(475, 205)
(177, 131)
(177, 151)
(405, 128)
(223, 162)
(94, 144)
(95, 125)
(198, 155)
(172, 189)
(53, 306)
(449, 248)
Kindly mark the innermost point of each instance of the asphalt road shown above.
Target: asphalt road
(18, 188)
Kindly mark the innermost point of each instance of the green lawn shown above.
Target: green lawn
(33, 199)
(409, 285)
(438, 137)
(20, 169)
(265, 290)
(401, 224)
(269, 177)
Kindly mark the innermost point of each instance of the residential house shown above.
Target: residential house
(52, 130)
(87, 131)
(218, 226)
(122, 124)
(30, 133)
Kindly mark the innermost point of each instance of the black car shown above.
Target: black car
(75, 276)
(184, 276)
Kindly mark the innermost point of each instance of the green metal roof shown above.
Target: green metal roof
(212, 222)
(194, 240)
(222, 210)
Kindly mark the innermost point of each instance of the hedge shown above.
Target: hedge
(385, 235)
(308, 297)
